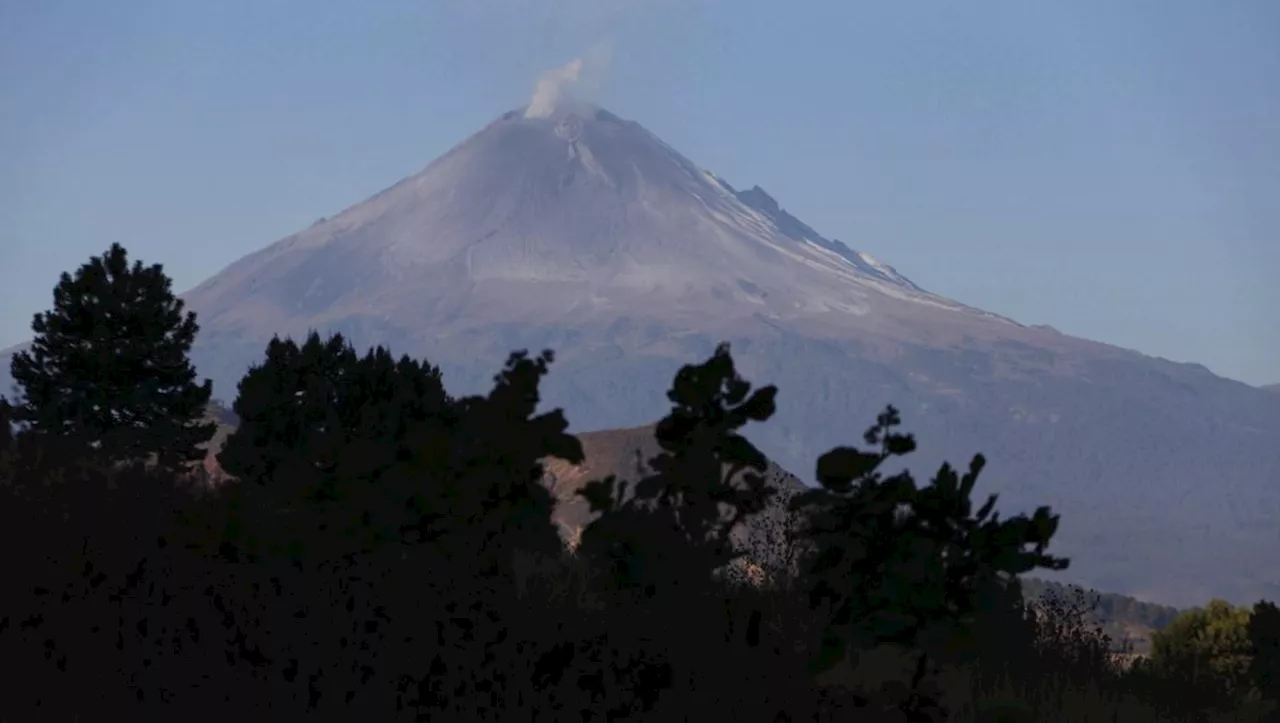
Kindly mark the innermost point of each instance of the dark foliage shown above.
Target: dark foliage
(1126, 620)
(894, 563)
(1263, 632)
(386, 552)
(108, 366)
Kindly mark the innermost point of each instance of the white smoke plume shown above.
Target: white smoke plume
(584, 74)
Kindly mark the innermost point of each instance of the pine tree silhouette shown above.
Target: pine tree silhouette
(108, 366)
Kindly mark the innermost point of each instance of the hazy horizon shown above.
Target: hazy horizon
(1107, 171)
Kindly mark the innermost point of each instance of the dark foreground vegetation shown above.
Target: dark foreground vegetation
(1129, 623)
(386, 552)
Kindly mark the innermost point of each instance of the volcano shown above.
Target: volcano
(582, 232)
(571, 218)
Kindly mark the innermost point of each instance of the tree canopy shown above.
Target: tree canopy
(108, 366)
(1208, 646)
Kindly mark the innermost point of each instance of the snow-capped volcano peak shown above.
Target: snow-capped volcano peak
(566, 110)
(566, 209)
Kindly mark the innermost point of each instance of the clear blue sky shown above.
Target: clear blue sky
(1110, 168)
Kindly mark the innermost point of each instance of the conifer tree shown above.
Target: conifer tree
(706, 468)
(658, 552)
(319, 428)
(891, 563)
(108, 367)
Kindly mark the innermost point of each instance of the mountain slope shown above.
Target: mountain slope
(565, 219)
(584, 233)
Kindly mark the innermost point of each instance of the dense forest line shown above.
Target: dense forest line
(385, 551)
(1127, 621)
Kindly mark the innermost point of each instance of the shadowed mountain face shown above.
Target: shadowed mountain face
(584, 233)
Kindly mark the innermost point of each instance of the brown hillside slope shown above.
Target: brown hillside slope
(626, 454)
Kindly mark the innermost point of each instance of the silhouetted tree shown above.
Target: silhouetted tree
(388, 532)
(660, 553)
(108, 366)
(320, 423)
(320, 509)
(482, 535)
(706, 480)
(895, 564)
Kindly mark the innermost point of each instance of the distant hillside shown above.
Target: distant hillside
(1123, 618)
(625, 453)
(1272, 387)
(226, 420)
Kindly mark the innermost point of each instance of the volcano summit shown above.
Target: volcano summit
(570, 217)
(576, 230)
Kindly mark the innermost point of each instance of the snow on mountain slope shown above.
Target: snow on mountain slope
(595, 211)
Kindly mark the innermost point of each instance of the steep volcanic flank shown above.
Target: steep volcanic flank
(566, 219)
(584, 233)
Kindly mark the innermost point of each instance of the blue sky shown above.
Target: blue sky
(1112, 169)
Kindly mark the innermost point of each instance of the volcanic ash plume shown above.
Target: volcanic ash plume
(551, 86)
(584, 74)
